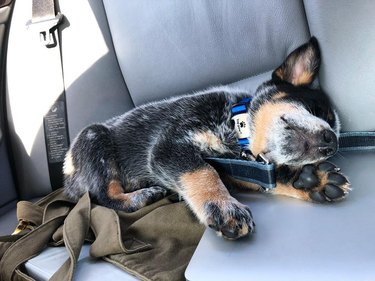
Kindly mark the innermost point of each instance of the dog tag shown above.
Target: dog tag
(242, 125)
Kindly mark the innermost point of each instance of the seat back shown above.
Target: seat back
(173, 47)
(347, 39)
(120, 54)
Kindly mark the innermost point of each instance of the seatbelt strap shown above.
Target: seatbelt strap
(45, 23)
(357, 141)
(264, 174)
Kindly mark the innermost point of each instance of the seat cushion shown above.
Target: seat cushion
(43, 266)
(297, 240)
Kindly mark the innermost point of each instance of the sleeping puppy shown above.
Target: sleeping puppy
(132, 160)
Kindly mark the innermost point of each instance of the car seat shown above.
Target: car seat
(117, 54)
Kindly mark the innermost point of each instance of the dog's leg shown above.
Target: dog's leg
(90, 165)
(207, 196)
(132, 201)
(320, 183)
(180, 167)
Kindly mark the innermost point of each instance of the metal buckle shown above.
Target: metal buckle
(22, 225)
(45, 28)
(246, 155)
(262, 159)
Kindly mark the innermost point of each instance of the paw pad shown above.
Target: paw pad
(333, 191)
(324, 182)
(307, 178)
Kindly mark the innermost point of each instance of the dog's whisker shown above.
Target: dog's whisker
(340, 154)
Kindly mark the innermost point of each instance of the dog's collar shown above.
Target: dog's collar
(241, 120)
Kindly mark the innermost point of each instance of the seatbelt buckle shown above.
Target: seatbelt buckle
(45, 29)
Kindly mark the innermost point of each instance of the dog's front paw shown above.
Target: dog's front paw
(323, 182)
(229, 219)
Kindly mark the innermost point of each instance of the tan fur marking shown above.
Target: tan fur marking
(304, 78)
(209, 140)
(323, 177)
(68, 167)
(262, 121)
(280, 73)
(115, 191)
(202, 186)
(278, 96)
(288, 190)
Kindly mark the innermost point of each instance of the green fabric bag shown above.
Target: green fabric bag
(153, 243)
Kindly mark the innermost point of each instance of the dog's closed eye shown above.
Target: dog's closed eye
(287, 127)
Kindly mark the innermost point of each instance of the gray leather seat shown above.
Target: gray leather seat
(120, 54)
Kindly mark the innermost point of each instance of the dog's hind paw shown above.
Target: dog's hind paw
(323, 182)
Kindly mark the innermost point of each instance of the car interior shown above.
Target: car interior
(92, 60)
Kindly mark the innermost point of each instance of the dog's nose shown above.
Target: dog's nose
(329, 136)
(328, 146)
(327, 151)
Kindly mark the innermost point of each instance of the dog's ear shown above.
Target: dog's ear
(301, 66)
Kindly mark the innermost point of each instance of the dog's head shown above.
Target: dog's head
(293, 124)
